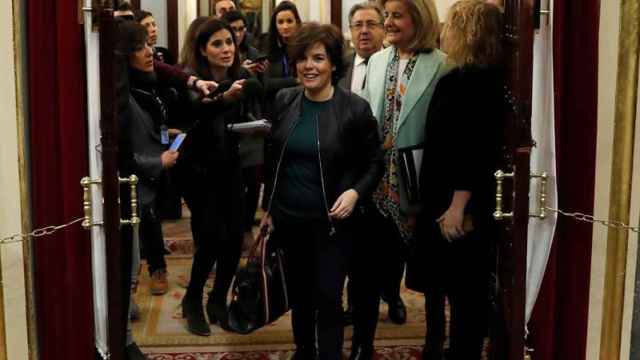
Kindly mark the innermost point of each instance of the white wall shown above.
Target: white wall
(187, 12)
(10, 215)
(159, 10)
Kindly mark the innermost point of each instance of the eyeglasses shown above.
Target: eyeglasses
(361, 25)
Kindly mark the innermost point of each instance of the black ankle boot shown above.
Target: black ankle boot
(133, 352)
(218, 313)
(397, 311)
(359, 352)
(303, 353)
(193, 312)
(432, 353)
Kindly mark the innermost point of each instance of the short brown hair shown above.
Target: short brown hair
(472, 33)
(425, 20)
(325, 34)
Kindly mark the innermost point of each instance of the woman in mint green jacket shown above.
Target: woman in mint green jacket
(399, 84)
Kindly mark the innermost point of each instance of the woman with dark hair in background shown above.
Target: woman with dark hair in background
(162, 54)
(142, 149)
(210, 175)
(325, 161)
(462, 146)
(284, 24)
(248, 54)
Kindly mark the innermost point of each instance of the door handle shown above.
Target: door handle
(542, 196)
(499, 214)
(87, 203)
(133, 188)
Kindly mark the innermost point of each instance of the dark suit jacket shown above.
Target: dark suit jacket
(349, 59)
(142, 137)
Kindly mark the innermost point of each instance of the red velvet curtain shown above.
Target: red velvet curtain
(58, 148)
(559, 322)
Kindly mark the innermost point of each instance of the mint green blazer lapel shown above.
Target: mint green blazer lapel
(424, 73)
(376, 73)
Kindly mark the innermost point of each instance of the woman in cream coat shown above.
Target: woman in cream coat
(399, 84)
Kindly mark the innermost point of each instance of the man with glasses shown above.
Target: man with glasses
(367, 35)
(222, 7)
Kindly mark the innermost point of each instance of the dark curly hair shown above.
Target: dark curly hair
(328, 35)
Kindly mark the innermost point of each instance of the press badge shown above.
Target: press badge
(164, 135)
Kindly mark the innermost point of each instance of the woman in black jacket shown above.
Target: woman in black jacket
(211, 176)
(143, 149)
(325, 160)
(285, 22)
(462, 147)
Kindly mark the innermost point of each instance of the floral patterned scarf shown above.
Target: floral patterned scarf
(387, 195)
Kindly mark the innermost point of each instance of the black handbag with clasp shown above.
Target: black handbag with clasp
(259, 292)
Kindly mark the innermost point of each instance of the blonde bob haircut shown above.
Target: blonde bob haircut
(472, 33)
(425, 20)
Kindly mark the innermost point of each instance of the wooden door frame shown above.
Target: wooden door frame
(336, 13)
(512, 251)
(118, 301)
(172, 27)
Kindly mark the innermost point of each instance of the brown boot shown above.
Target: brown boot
(159, 284)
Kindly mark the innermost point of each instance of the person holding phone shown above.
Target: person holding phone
(284, 24)
(252, 61)
(210, 173)
(143, 146)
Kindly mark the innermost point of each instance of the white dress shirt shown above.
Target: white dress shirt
(359, 74)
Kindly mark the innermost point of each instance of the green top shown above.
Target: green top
(299, 187)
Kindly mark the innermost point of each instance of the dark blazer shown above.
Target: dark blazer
(142, 143)
(350, 145)
(349, 59)
(209, 144)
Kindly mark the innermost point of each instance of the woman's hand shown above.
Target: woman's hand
(451, 223)
(267, 223)
(344, 205)
(169, 158)
(250, 66)
(235, 91)
(174, 132)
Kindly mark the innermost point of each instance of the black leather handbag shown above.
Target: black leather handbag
(259, 292)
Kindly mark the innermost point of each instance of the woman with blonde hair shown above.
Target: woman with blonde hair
(462, 146)
(399, 83)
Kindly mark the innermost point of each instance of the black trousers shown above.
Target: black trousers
(364, 287)
(151, 238)
(394, 250)
(215, 199)
(315, 266)
(458, 271)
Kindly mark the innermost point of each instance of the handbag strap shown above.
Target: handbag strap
(262, 237)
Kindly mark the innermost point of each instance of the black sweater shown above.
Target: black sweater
(463, 137)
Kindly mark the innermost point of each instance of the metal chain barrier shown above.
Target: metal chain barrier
(591, 219)
(38, 232)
